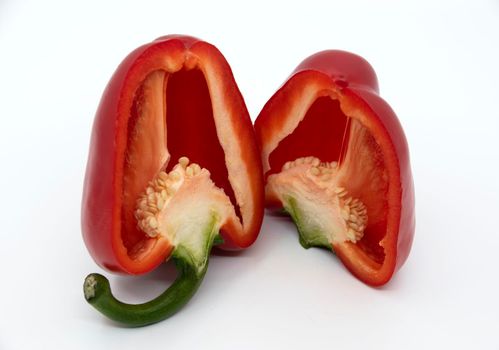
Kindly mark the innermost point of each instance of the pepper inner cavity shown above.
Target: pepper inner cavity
(171, 116)
(191, 130)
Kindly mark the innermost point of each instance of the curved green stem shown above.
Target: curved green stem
(98, 294)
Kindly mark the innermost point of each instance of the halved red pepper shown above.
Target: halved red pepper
(336, 159)
(173, 169)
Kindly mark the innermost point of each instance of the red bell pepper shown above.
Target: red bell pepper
(336, 159)
(173, 168)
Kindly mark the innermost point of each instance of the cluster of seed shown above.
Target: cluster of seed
(354, 212)
(317, 167)
(324, 171)
(304, 160)
(158, 194)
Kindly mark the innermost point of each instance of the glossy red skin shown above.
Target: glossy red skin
(357, 81)
(103, 185)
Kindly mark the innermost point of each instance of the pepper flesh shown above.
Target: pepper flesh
(168, 100)
(329, 112)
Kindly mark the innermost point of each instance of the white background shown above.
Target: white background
(438, 66)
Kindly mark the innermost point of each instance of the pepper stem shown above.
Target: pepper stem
(191, 259)
(98, 294)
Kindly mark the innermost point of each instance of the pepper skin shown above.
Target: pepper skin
(336, 159)
(173, 169)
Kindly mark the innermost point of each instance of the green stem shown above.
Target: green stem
(310, 235)
(98, 294)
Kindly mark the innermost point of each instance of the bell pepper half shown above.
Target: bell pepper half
(336, 159)
(173, 169)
